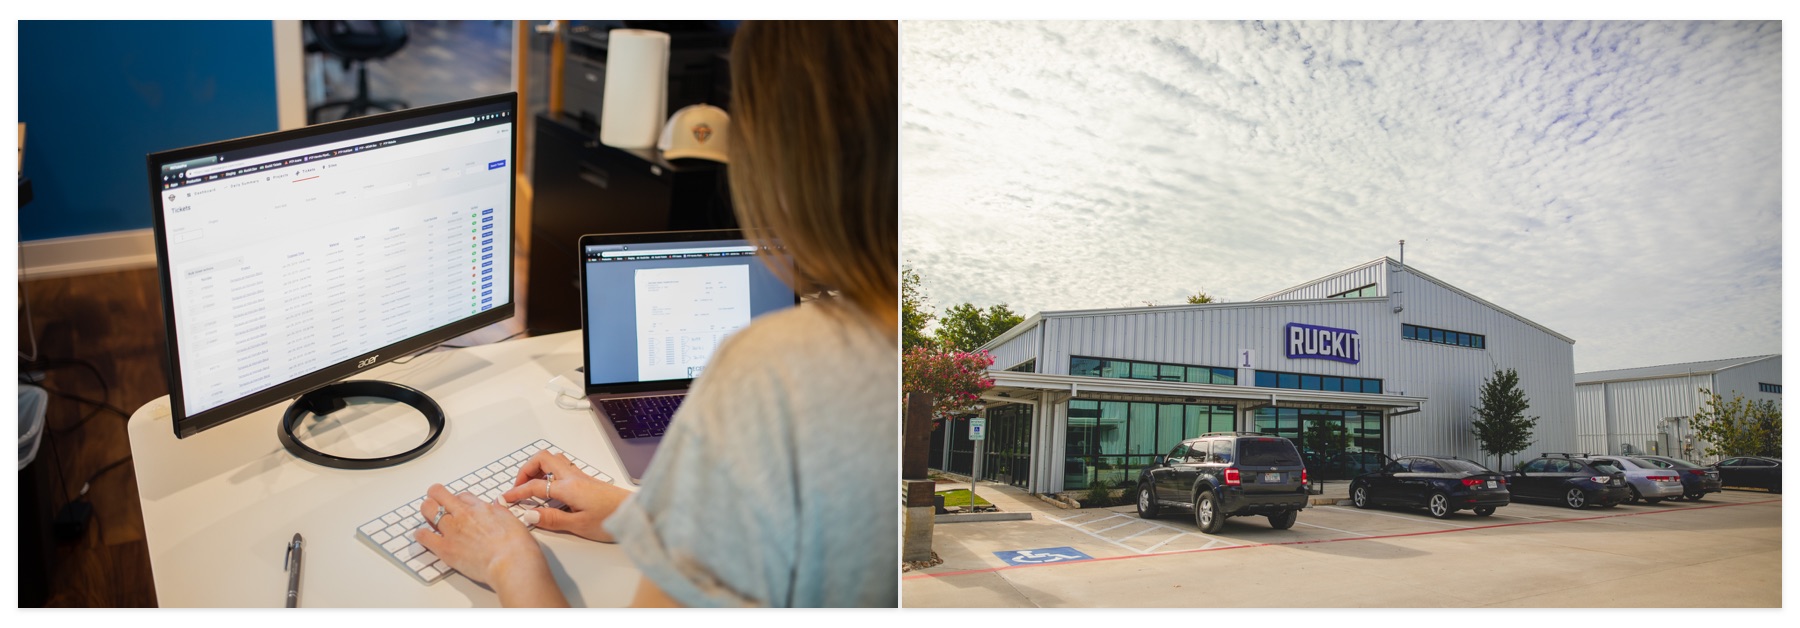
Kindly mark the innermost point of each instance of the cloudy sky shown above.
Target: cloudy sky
(1617, 182)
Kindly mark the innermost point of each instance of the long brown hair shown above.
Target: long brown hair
(814, 148)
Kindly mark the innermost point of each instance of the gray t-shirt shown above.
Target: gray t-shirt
(776, 484)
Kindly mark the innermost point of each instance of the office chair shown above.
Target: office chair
(356, 42)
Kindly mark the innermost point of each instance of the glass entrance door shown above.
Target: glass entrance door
(1335, 444)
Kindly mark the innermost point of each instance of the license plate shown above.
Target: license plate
(1493, 484)
(1271, 478)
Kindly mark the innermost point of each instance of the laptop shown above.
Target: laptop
(654, 308)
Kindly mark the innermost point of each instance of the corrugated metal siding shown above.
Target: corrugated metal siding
(1744, 379)
(1450, 376)
(1590, 418)
(1639, 408)
(1347, 280)
(1021, 348)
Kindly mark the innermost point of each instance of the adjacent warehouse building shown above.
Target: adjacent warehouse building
(1379, 358)
(1648, 409)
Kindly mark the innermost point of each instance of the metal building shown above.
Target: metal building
(1648, 409)
(1379, 358)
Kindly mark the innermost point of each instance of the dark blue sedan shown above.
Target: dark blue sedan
(1441, 485)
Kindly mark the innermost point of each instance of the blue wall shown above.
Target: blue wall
(96, 97)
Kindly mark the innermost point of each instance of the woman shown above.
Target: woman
(775, 484)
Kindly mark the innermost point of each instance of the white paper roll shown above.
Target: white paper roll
(637, 88)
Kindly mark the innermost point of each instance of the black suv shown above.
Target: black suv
(1227, 474)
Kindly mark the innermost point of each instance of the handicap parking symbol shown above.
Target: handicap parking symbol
(1042, 556)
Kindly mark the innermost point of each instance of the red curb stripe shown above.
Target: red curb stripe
(1338, 540)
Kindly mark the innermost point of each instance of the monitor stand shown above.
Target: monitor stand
(331, 398)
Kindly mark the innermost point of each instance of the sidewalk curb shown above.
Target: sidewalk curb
(983, 516)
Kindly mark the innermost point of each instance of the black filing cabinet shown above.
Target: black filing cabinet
(580, 186)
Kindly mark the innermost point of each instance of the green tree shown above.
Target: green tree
(1198, 298)
(1501, 427)
(1738, 427)
(915, 315)
(966, 327)
(955, 379)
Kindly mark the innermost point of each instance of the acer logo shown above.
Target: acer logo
(367, 362)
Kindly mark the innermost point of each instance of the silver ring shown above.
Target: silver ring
(548, 478)
(440, 517)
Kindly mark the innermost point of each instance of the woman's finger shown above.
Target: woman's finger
(545, 462)
(531, 488)
(470, 499)
(437, 493)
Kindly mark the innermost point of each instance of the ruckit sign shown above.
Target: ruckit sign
(1323, 343)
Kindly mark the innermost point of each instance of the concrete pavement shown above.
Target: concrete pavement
(1724, 551)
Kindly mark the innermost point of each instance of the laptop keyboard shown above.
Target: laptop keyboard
(641, 417)
(391, 533)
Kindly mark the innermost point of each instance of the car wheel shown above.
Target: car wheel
(1359, 496)
(1146, 503)
(1206, 513)
(1483, 511)
(1284, 520)
(1439, 505)
(1635, 497)
(1694, 497)
(1575, 499)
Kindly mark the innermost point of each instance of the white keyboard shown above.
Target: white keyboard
(391, 534)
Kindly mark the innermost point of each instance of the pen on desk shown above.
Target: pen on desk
(292, 565)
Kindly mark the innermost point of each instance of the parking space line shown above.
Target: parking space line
(1210, 548)
(1088, 523)
(1078, 514)
(1117, 526)
(1383, 514)
(1143, 531)
(1331, 529)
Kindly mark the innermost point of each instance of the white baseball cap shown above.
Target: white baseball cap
(695, 132)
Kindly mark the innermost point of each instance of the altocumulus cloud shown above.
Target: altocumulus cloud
(1617, 182)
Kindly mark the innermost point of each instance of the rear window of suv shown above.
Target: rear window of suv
(1465, 466)
(1266, 452)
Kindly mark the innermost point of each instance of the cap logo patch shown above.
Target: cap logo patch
(702, 132)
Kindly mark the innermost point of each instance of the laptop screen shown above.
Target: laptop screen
(657, 311)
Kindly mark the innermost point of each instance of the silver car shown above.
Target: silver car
(1648, 483)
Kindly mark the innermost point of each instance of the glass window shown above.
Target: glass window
(1169, 423)
(1179, 452)
(1221, 452)
(1115, 368)
(1480, 342)
(1140, 370)
(1536, 466)
(1606, 468)
(1465, 466)
(1425, 465)
(1408, 332)
(1172, 373)
(1288, 380)
(1437, 335)
(1197, 375)
(1109, 437)
(1352, 384)
(1224, 376)
(1266, 452)
(1265, 379)
(1309, 382)
(1331, 383)
(1372, 386)
(1141, 435)
(1086, 367)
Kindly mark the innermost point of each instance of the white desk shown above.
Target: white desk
(220, 506)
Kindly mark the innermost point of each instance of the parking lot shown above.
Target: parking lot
(1724, 551)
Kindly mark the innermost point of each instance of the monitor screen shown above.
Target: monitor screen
(657, 310)
(293, 259)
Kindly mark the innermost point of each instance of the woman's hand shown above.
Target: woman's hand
(591, 501)
(487, 544)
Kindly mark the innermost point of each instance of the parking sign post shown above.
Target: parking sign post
(977, 433)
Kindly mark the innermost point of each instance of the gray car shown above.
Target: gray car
(1648, 482)
(1696, 481)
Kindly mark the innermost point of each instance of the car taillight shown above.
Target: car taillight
(1232, 478)
(1664, 478)
(1697, 471)
(1472, 482)
(1303, 480)
(1600, 479)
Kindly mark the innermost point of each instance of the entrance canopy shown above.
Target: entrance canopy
(1015, 387)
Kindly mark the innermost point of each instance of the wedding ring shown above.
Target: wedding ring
(439, 517)
(548, 478)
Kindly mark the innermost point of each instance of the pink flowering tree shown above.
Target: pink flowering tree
(955, 379)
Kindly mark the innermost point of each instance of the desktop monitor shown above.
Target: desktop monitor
(295, 259)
